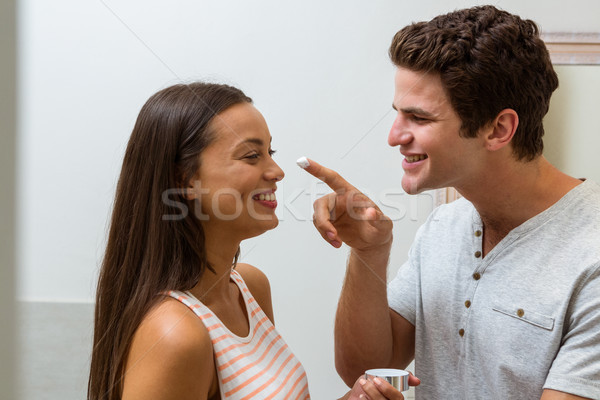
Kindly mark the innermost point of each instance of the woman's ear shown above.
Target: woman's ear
(188, 189)
(189, 193)
(193, 190)
(503, 129)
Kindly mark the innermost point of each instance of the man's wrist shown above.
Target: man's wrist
(374, 258)
(377, 251)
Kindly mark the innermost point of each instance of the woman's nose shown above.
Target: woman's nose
(274, 172)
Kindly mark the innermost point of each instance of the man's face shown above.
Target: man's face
(427, 130)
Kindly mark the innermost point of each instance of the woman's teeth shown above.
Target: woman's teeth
(412, 159)
(265, 197)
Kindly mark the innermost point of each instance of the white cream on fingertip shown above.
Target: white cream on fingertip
(303, 162)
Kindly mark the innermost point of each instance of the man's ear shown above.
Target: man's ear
(502, 129)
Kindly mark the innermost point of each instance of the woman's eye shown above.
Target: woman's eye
(256, 155)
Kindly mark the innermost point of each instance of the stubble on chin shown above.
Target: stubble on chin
(410, 186)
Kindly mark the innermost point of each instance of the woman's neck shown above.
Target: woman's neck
(220, 254)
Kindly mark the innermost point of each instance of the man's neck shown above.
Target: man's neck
(509, 196)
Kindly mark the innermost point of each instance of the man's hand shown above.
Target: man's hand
(347, 215)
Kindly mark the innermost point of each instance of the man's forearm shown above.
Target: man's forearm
(363, 330)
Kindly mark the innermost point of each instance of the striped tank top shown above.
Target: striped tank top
(259, 366)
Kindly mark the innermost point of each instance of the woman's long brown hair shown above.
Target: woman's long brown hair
(153, 244)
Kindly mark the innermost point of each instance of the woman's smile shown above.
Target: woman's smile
(266, 198)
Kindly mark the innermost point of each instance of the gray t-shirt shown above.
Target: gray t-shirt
(524, 318)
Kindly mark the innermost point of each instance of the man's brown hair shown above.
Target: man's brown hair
(488, 60)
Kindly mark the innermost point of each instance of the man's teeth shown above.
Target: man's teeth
(266, 197)
(412, 159)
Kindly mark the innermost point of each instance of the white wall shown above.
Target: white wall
(572, 136)
(318, 71)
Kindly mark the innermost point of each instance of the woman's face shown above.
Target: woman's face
(237, 178)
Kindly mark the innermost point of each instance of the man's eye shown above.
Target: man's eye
(418, 119)
(252, 156)
(272, 152)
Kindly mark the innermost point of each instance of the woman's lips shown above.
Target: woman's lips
(266, 196)
(269, 204)
(266, 199)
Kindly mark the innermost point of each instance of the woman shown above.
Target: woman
(176, 316)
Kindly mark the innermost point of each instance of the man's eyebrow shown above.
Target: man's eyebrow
(414, 110)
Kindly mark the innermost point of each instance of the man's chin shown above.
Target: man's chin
(411, 187)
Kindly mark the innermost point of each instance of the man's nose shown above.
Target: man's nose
(399, 133)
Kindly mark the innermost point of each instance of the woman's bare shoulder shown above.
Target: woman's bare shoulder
(259, 286)
(171, 356)
(252, 276)
(174, 324)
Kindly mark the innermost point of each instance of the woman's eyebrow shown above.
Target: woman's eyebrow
(256, 141)
(253, 141)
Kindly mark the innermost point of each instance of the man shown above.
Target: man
(500, 296)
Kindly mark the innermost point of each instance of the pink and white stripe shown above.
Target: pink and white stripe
(258, 366)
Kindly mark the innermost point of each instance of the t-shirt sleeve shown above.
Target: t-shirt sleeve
(576, 368)
(402, 292)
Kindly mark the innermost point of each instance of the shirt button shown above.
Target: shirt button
(520, 312)
(477, 254)
(476, 276)
(468, 303)
(477, 233)
(461, 332)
